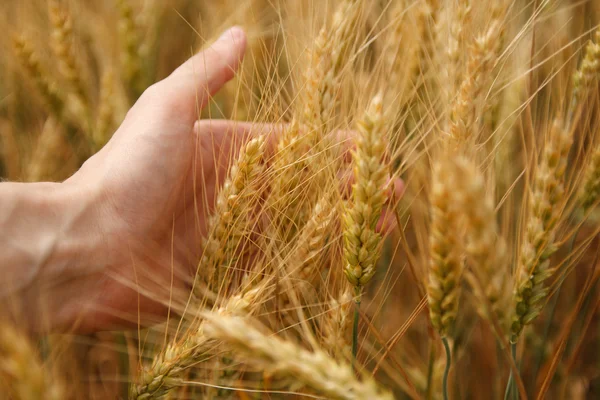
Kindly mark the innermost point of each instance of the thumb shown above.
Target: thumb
(190, 86)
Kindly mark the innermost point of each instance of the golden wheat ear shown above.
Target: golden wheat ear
(546, 202)
(362, 244)
(446, 265)
(230, 218)
(22, 374)
(314, 369)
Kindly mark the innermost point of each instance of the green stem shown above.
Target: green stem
(447, 369)
(510, 386)
(429, 388)
(513, 351)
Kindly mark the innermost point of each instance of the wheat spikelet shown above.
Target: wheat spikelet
(591, 186)
(483, 245)
(311, 242)
(62, 44)
(482, 55)
(106, 110)
(446, 267)
(287, 197)
(426, 21)
(38, 74)
(11, 157)
(21, 370)
(327, 60)
(226, 226)
(313, 369)
(362, 245)
(169, 366)
(391, 54)
(545, 209)
(131, 43)
(456, 47)
(583, 78)
(336, 326)
(586, 73)
(45, 159)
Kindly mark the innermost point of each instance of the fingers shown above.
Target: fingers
(187, 90)
(232, 134)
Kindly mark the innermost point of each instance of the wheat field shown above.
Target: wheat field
(414, 217)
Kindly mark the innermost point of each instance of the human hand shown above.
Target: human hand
(146, 195)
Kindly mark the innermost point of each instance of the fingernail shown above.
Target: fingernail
(234, 33)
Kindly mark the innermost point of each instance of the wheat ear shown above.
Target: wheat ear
(314, 369)
(22, 371)
(287, 199)
(45, 158)
(336, 325)
(131, 43)
(39, 75)
(546, 199)
(586, 73)
(106, 111)
(11, 155)
(62, 44)
(362, 244)
(169, 366)
(227, 224)
(323, 76)
(445, 267)
(482, 55)
(483, 244)
(591, 186)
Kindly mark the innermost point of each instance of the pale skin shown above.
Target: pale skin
(105, 248)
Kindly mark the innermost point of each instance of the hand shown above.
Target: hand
(147, 188)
